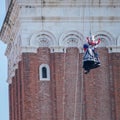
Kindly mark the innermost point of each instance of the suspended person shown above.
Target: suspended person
(93, 44)
(90, 59)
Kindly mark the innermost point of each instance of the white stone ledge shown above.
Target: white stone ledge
(114, 49)
(58, 49)
(67, 3)
(29, 49)
(62, 49)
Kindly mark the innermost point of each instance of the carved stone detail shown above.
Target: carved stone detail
(71, 39)
(42, 39)
(106, 39)
(14, 56)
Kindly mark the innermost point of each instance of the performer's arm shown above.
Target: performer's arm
(99, 40)
(88, 40)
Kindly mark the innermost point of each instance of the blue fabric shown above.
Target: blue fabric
(85, 46)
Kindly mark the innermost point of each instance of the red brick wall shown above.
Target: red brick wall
(72, 85)
(97, 90)
(69, 95)
(115, 77)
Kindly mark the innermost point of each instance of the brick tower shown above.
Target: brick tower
(44, 49)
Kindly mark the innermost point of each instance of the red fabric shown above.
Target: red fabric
(93, 43)
(85, 49)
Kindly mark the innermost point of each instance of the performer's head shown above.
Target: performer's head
(92, 38)
(85, 47)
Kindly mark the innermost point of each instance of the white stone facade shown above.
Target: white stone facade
(57, 24)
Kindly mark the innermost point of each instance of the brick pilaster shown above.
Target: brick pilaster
(115, 68)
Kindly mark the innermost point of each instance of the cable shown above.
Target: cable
(90, 18)
(42, 17)
(83, 14)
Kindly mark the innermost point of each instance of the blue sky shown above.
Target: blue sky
(4, 106)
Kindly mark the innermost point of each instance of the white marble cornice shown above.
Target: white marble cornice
(9, 22)
(29, 49)
(96, 19)
(76, 3)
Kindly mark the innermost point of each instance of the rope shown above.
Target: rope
(42, 17)
(90, 22)
(83, 17)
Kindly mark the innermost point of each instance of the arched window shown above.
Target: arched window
(44, 72)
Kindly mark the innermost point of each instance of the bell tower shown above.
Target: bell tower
(44, 49)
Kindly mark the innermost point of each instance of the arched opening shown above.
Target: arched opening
(44, 72)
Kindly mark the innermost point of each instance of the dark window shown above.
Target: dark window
(44, 72)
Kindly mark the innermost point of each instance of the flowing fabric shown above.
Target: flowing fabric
(90, 59)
